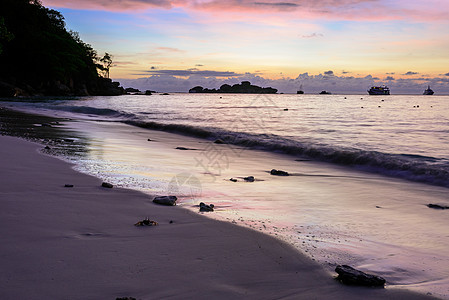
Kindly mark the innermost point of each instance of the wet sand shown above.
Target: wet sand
(80, 243)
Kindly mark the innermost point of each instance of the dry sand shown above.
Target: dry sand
(80, 243)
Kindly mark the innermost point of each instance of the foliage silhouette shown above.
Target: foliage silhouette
(40, 56)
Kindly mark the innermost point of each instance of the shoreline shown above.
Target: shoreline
(90, 241)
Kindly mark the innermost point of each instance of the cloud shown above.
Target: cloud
(329, 73)
(117, 5)
(193, 72)
(313, 35)
(329, 9)
(409, 73)
(447, 74)
(170, 49)
(311, 84)
(389, 78)
(280, 5)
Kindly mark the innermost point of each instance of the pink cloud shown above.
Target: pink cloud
(297, 9)
(117, 5)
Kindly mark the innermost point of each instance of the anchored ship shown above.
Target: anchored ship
(428, 91)
(379, 90)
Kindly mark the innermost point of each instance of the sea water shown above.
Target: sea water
(363, 169)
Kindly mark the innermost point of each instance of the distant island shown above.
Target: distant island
(244, 88)
(40, 57)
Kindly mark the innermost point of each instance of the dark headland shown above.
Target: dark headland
(244, 88)
(40, 57)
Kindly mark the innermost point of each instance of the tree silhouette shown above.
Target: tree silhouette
(5, 35)
(106, 60)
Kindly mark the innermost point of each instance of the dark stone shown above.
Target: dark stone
(184, 148)
(150, 140)
(125, 298)
(146, 222)
(165, 200)
(279, 173)
(437, 206)
(131, 90)
(249, 179)
(69, 185)
(349, 275)
(233, 180)
(148, 93)
(47, 148)
(171, 222)
(285, 109)
(219, 142)
(165, 94)
(206, 208)
(107, 185)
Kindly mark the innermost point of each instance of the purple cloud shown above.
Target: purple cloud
(192, 72)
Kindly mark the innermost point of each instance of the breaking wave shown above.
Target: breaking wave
(413, 167)
(407, 166)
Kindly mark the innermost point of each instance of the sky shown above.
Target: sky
(343, 46)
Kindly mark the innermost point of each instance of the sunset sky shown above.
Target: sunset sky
(391, 41)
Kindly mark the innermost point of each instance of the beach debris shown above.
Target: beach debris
(249, 179)
(218, 141)
(150, 140)
(206, 208)
(437, 206)
(107, 185)
(165, 200)
(279, 172)
(184, 148)
(285, 109)
(69, 185)
(233, 180)
(349, 275)
(146, 222)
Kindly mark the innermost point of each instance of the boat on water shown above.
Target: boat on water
(428, 91)
(379, 90)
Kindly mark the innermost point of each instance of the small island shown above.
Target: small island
(244, 88)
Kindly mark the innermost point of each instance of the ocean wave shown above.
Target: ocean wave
(413, 167)
(88, 110)
(407, 166)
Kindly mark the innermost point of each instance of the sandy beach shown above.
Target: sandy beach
(80, 243)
